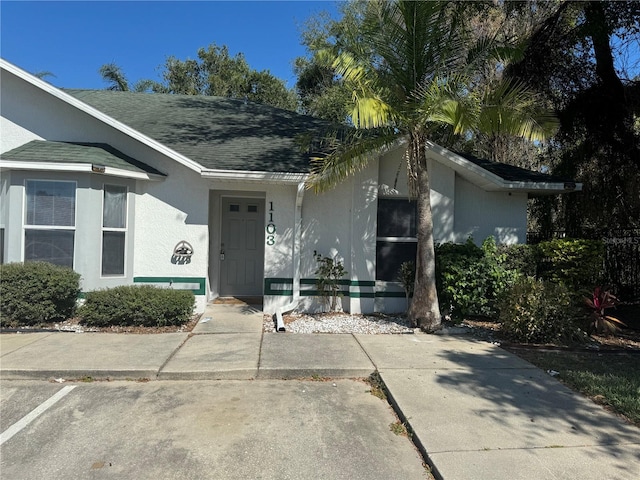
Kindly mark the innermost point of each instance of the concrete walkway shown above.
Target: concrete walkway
(476, 411)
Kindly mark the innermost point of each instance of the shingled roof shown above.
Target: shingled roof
(100, 154)
(511, 173)
(218, 133)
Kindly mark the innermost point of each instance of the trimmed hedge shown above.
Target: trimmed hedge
(579, 264)
(37, 292)
(539, 311)
(137, 305)
(471, 278)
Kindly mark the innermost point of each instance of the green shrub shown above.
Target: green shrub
(329, 275)
(576, 263)
(37, 292)
(538, 311)
(407, 277)
(520, 258)
(137, 305)
(470, 279)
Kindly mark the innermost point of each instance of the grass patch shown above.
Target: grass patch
(612, 380)
(377, 386)
(399, 428)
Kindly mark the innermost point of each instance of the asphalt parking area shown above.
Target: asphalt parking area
(263, 429)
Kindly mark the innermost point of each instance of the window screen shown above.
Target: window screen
(396, 242)
(114, 207)
(114, 224)
(51, 203)
(396, 218)
(50, 221)
(53, 246)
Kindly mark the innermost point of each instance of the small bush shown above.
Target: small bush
(579, 264)
(538, 311)
(407, 277)
(470, 278)
(329, 274)
(520, 258)
(137, 305)
(37, 292)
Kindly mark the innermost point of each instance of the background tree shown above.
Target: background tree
(214, 73)
(116, 80)
(572, 58)
(114, 76)
(217, 73)
(410, 68)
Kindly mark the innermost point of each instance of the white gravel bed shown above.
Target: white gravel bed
(341, 323)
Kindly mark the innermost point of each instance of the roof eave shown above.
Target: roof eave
(472, 172)
(539, 188)
(256, 176)
(74, 102)
(491, 182)
(79, 168)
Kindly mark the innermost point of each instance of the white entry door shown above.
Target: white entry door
(242, 247)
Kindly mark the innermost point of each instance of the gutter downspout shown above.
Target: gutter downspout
(297, 241)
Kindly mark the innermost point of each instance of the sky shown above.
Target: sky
(73, 39)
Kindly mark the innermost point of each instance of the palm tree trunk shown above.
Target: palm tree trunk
(424, 311)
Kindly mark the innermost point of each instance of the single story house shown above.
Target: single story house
(208, 194)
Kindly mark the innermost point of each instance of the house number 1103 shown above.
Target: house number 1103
(271, 227)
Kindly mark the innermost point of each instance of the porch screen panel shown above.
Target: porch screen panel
(396, 237)
(114, 225)
(50, 221)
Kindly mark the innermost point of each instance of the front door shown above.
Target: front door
(242, 247)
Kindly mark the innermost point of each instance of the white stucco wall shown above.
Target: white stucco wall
(168, 211)
(480, 214)
(442, 184)
(340, 223)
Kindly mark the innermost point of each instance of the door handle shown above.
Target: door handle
(222, 252)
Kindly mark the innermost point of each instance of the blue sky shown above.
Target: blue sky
(73, 39)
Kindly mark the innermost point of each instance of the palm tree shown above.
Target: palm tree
(411, 72)
(114, 76)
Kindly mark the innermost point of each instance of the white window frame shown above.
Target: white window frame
(124, 230)
(26, 226)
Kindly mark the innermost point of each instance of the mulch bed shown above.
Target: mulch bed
(626, 340)
(73, 325)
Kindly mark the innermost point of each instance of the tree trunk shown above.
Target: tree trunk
(424, 311)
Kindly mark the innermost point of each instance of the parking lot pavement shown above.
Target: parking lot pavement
(196, 430)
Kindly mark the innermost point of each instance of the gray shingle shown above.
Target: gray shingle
(71, 152)
(511, 173)
(217, 133)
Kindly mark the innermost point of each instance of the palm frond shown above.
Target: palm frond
(447, 101)
(512, 108)
(348, 157)
(113, 75)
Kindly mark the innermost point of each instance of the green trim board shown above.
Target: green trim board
(200, 281)
(269, 290)
(354, 290)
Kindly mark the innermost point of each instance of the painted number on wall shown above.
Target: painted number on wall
(271, 227)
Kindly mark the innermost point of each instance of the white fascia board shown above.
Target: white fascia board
(462, 165)
(250, 176)
(536, 187)
(77, 168)
(491, 182)
(106, 119)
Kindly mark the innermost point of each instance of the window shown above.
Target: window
(50, 224)
(396, 236)
(114, 226)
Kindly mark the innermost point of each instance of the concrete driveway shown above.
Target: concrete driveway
(262, 429)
